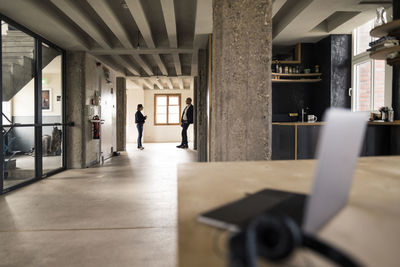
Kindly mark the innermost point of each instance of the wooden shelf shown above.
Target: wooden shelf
(394, 61)
(297, 74)
(383, 53)
(391, 28)
(296, 81)
(289, 62)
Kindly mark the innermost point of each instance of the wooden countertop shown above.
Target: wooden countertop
(368, 227)
(298, 123)
(395, 123)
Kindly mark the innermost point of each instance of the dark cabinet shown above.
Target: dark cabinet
(300, 141)
(307, 139)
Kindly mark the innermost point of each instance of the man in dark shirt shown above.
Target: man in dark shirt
(186, 119)
(139, 120)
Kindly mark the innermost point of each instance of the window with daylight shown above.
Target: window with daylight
(370, 90)
(167, 109)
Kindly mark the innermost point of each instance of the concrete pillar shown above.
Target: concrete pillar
(241, 97)
(195, 111)
(201, 103)
(75, 109)
(121, 114)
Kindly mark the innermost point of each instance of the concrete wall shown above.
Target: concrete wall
(96, 81)
(163, 133)
(121, 113)
(85, 78)
(202, 107)
(135, 96)
(241, 97)
(75, 99)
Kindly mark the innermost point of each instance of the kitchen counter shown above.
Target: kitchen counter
(298, 140)
(395, 123)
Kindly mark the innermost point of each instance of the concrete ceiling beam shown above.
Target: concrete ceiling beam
(277, 5)
(202, 29)
(82, 20)
(71, 38)
(112, 63)
(142, 22)
(105, 12)
(143, 64)
(287, 13)
(136, 83)
(177, 63)
(113, 22)
(156, 81)
(168, 9)
(141, 51)
(169, 83)
(160, 64)
(180, 82)
(147, 83)
(139, 16)
(126, 64)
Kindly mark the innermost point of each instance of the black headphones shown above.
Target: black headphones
(275, 237)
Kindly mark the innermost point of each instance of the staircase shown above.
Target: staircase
(18, 62)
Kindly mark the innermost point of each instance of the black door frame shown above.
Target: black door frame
(39, 41)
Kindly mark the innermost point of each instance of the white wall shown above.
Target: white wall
(22, 104)
(163, 133)
(135, 96)
(96, 81)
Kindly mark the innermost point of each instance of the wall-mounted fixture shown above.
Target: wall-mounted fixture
(124, 5)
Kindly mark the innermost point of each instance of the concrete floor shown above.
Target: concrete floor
(120, 214)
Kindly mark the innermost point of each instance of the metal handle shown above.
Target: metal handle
(14, 125)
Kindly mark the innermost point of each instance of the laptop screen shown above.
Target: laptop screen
(338, 149)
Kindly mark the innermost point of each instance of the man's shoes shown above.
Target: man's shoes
(180, 146)
(184, 146)
(140, 148)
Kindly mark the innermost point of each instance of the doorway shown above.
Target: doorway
(32, 105)
(163, 108)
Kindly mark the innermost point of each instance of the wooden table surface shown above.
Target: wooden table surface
(367, 228)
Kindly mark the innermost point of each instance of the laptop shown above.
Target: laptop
(337, 151)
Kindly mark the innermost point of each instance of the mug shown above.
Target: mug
(311, 118)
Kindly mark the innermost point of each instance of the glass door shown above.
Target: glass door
(18, 106)
(51, 106)
(32, 105)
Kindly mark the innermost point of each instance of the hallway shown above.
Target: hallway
(120, 214)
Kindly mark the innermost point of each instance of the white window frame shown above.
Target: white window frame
(362, 58)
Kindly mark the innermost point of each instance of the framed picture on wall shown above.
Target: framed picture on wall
(46, 99)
